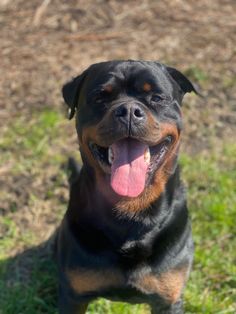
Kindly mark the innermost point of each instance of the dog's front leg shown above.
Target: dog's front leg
(69, 306)
(176, 308)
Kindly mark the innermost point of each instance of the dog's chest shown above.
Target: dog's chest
(167, 285)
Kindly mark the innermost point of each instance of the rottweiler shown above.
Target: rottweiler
(126, 235)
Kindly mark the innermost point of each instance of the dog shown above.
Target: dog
(126, 235)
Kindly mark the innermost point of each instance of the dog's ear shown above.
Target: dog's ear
(183, 82)
(71, 91)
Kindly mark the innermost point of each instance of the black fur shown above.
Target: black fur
(94, 236)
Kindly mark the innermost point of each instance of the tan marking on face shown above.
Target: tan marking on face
(147, 87)
(131, 206)
(90, 134)
(83, 281)
(108, 88)
(168, 285)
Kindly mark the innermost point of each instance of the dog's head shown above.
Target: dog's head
(128, 118)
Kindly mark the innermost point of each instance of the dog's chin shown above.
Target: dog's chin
(131, 164)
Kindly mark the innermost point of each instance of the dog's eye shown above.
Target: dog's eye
(156, 98)
(101, 96)
(98, 99)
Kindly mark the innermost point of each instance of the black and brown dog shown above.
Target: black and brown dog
(126, 234)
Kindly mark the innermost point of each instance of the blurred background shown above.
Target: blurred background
(43, 44)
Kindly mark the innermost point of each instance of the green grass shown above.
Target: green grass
(212, 200)
(210, 178)
(28, 140)
(197, 74)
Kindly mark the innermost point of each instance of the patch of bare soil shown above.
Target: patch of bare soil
(44, 43)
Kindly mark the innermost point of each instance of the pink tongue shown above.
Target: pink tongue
(128, 170)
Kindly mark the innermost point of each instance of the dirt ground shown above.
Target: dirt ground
(44, 43)
(42, 46)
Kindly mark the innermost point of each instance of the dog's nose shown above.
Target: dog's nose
(130, 112)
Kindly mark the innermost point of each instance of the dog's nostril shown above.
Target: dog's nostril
(131, 111)
(138, 113)
(121, 111)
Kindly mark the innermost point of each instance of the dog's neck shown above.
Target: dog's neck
(89, 210)
(95, 197)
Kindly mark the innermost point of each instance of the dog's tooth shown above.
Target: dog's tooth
(110, 155)
(147, 155)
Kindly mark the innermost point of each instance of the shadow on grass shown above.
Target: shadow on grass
(29, 285)
(29, 282)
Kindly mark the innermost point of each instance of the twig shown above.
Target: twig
(40, 11)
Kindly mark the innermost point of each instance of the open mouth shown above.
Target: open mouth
(131, 163)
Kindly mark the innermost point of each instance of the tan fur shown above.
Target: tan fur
(131, 206)
(90, 134)
(147, 87)
(154, 190)
(168, 285)
(108, 88)
(83, 280)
